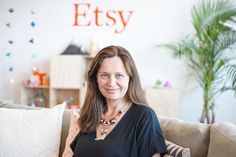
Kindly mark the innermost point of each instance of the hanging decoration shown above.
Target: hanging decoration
(33, 12)
(33, 24)
(10, 69)
(9, 54)
(9, 24)
(10, 41)
(33, 56)
(31, 40)
(11, 10)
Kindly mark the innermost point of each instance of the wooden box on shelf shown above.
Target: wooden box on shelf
(67, 78)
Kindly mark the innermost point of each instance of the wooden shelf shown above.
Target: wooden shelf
(36, 87)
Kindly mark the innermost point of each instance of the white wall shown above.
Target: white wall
(153, 22)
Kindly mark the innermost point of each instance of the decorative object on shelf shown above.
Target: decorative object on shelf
(69, 102)
(38, 78)
(167, 84)
(39, 99)
(73, 49)
(160, 84)
(93, 48)
(205, 51)
(31, 103)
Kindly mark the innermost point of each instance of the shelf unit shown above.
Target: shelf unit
(67, 79)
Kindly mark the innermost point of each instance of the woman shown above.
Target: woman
(114, 120)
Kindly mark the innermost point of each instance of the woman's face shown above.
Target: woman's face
(112, 78)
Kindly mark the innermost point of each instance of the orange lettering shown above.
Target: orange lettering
(97, 11)
(123, 20)
(77, 14)
(109, 16)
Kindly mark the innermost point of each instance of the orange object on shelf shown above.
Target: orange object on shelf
(42, 77)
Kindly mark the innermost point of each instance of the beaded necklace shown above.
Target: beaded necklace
(110, 121)
(106, 123)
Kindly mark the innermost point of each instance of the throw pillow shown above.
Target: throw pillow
(73, 131)
(176, 151)
(31, 132)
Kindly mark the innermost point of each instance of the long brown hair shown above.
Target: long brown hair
(95, 103)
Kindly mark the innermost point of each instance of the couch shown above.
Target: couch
(204, 140)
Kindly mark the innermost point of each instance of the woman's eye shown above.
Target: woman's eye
(119, 76)
(104, 75)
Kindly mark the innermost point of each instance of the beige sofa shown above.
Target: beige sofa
(204, 140)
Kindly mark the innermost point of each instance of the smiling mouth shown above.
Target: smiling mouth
(111, 90)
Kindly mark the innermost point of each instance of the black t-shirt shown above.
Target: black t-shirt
(137, 134)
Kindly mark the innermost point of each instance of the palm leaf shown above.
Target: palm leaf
(226, 40)
(210, 14)
(231, 72)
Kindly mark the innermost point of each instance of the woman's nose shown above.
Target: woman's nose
(112, 81)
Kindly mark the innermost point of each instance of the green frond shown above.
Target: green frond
(231, 72)
(218, 66)
(181, 49)
(209, 16)
(226, 40)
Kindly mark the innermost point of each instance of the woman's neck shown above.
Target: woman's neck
(113, 107)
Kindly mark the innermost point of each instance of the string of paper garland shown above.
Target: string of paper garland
(11, 42)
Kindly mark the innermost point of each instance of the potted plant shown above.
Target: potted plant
(206, 51)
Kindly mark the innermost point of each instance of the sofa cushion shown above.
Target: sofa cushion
(176, 150)
(187, 134)
(222, 140)
(30, 132)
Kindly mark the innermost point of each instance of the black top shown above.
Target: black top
(137, 134)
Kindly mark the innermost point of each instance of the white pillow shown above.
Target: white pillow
(31, 133)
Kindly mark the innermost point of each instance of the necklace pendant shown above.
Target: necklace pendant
(100, 138)
(105, 131)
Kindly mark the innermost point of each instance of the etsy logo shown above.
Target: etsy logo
(87, 15)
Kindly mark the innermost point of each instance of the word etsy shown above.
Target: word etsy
(86, 15)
